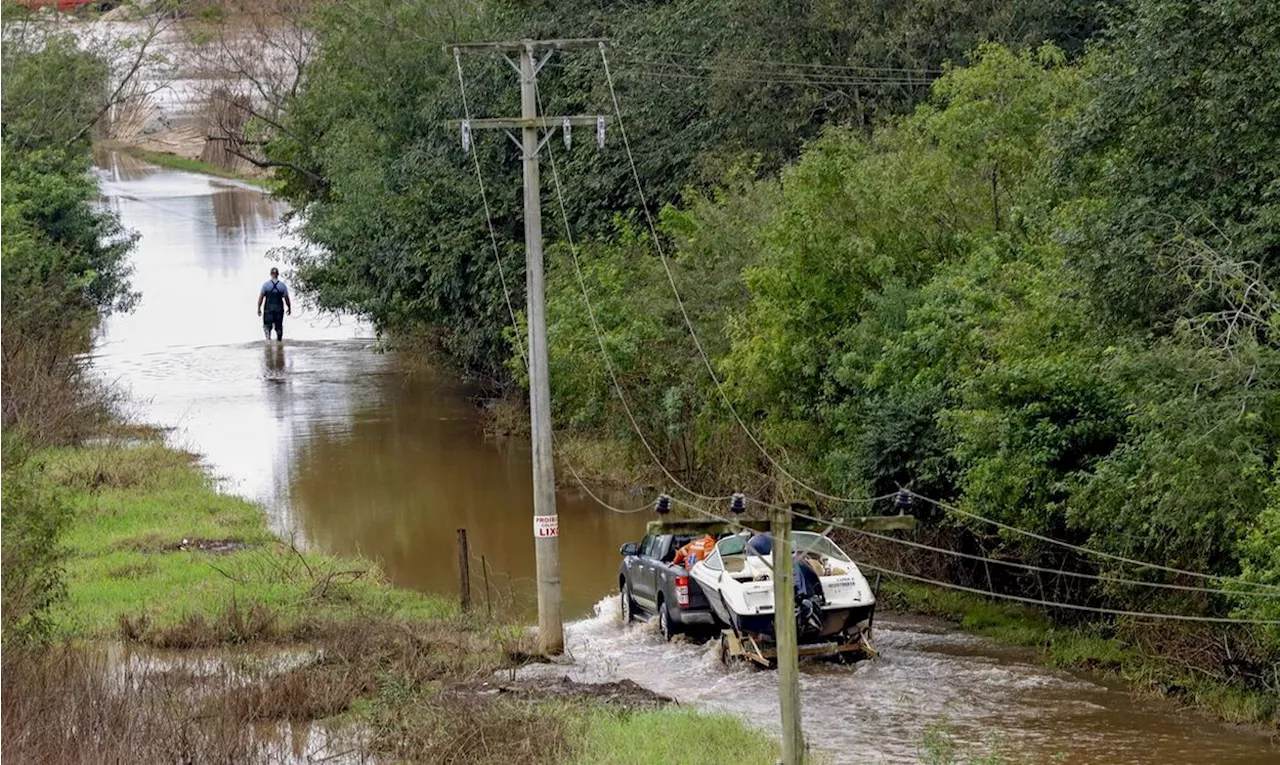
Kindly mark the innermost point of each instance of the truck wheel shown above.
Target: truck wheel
(665, 626)
(628, 605)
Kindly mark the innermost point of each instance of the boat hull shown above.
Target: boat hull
(835, 621)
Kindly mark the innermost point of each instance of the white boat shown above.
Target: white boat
(834, 603)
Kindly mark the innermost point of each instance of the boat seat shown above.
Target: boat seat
(816, 565)
(738, 568)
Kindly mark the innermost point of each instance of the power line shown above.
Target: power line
(657, 241)
(681, 72)
(780, 80)
(757, 73)
(719, 387)
(775, 63)
(1031, 601)
(595, 328)
(506, 292)
(985, 559)
(1025, 566)
(1085, 550)
(676, 481)
(1073, 606)
(715, 380)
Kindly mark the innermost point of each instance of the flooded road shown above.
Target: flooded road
(354, 451)
(349, 449)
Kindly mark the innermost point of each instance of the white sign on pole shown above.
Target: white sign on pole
(546, 526)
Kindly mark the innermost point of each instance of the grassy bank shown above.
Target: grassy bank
(239, 630)
(1130, 654)
(153, 543)
(187, 164)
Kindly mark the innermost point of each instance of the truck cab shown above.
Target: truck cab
(650, 585)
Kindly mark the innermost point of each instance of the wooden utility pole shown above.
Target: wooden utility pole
(784, 626)
(546, 523)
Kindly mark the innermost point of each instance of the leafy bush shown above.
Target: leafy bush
(33, 519)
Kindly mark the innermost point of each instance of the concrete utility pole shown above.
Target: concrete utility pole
(784, 625)
(546, 524)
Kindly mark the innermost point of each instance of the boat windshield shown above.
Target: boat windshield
(808, 541)
(733, 545)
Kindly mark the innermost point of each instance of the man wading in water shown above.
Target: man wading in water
(276, 295)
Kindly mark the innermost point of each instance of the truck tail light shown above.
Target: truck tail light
(682, 591)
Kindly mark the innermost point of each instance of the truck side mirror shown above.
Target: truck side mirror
(630, 548)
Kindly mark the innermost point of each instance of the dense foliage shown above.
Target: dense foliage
(390, 202)
(64, 264)
(1042, 287)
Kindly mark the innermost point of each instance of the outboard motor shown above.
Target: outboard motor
(809, 600)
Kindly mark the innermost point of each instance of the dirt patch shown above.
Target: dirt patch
(156, 543)
(221, 546)
(623, 693)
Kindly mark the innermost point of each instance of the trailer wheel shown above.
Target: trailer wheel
(724, 649)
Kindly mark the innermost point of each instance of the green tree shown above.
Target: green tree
(861, 227)
(64, 260)
(1177, 143)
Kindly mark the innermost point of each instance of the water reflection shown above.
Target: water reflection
(243, 211)
(345, 450)
(273, 363)
(404, 475)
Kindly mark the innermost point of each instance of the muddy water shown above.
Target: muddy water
(989, 699)
(347, 450)
(350, 452)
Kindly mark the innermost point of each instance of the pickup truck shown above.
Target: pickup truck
(650, 585)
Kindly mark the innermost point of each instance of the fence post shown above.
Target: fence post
(464, 570)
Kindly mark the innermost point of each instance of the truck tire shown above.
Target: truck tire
(628, 606)
(666, 627)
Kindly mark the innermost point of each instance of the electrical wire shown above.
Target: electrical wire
(1037, 601)
(637, 53)
(681, 72)
(1025, 566)
(1085, 550)
(741, 424)
(715, 380)
(657, 240)
(733, 411)
(1073, 606)
(595, 328)
(658, 68)
(836, 523)
(506, 291)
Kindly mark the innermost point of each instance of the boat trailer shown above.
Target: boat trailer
(763, 650)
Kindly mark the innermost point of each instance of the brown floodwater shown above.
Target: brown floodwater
(350, 450)
(355, 451)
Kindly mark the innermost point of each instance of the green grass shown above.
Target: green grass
(134, 505)
(174, 162)
(1005, 622)
(673, 736)
(128, 575)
